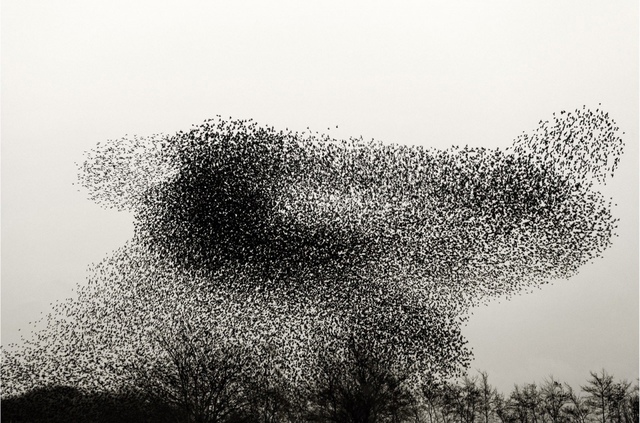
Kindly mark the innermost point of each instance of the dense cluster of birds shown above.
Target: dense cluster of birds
(288, 243)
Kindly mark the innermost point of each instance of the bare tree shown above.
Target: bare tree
(450, 399)
(633, 406)
(487, 397)
(469, 399)
(504, 409)
(432, 391)
(600, 389)
(554, 398)
(618, 400)
(578, 409)
(201, 379)
(524, 403)
(359, 388)
(272, 398)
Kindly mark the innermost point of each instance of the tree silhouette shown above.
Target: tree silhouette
(578, 409)
(205, 381)
(359, 387)
(600, 390)
(487, 397)
(554, 398)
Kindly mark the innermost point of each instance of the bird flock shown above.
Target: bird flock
(291, 244)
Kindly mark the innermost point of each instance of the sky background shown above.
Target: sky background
(436, 73)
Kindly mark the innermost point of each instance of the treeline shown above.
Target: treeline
(473, 399)
(199, 387)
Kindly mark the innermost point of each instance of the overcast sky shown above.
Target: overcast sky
(437, 73)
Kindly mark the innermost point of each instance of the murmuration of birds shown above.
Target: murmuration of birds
(284, 243)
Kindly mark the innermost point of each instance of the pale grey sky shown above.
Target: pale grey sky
(437, 73)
